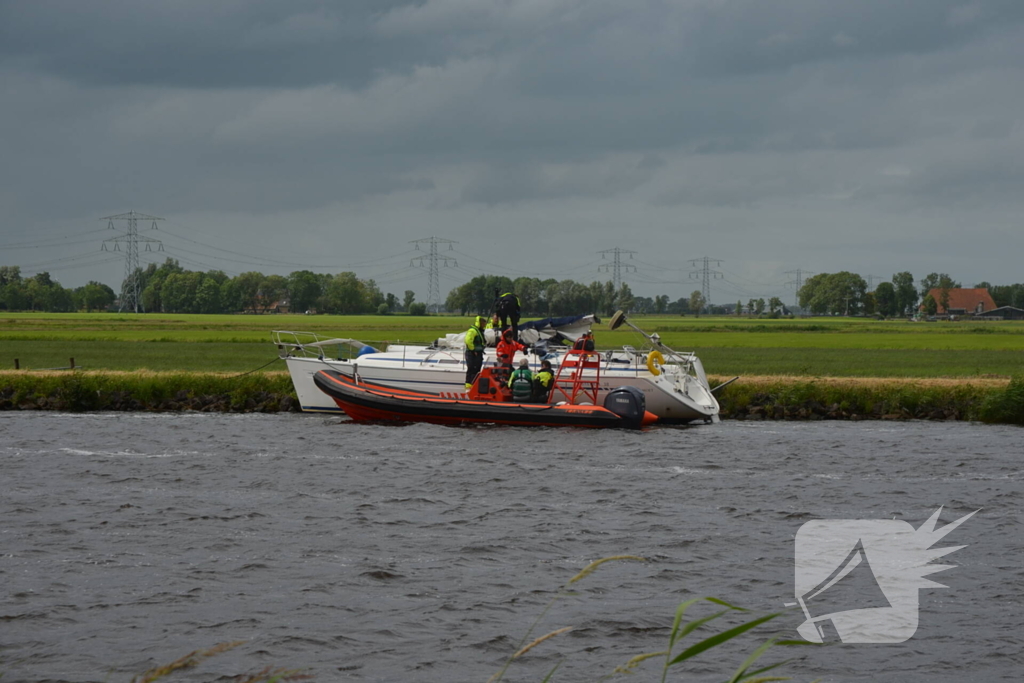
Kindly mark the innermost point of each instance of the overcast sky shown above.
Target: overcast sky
(824, 135)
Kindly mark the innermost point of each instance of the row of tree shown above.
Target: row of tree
(169, 288)
(172, 289)
(846, 293)
(551, 297)
(41, 293)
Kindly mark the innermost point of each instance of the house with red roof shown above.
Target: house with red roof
(963, 301)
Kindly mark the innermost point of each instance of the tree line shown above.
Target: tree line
(41, 293)
(846, 293)
(553, 298)
(169, 288)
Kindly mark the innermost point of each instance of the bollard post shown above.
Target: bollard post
(17, 365)
(72, 363)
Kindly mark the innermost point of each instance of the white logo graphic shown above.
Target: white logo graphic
(857, 580)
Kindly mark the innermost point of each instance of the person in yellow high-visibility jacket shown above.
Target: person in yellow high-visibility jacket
(542, 382)
(475, 344)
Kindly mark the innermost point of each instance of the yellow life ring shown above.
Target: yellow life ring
(655, 359)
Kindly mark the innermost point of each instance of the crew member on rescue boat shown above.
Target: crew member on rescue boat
(521, 383)
(542, 382)
(507, 306)
(475, 344)
(507, 348)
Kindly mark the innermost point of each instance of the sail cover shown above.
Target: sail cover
(567, 328)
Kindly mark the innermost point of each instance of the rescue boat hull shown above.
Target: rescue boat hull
(368, 402)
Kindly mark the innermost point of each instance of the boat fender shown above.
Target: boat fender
(654, 362)
(629, 404)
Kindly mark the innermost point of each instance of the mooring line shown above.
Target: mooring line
(256, 370)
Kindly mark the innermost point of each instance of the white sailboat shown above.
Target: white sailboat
(674, 383)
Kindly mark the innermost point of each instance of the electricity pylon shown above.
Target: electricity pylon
(616, 267)
(131, 297)
(797, 282)
(432, 258)
(707, 275)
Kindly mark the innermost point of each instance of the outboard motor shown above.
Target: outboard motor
(628, 403)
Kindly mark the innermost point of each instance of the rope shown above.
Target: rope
(256, 370)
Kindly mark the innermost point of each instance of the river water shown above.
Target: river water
(425, 553)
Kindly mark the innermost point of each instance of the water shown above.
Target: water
(424, 553)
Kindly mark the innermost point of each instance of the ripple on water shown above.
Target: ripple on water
(424, 553)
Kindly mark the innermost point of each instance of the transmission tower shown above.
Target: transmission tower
(433, 258)
(706, 274)
(797, 282)
(131, 299)
(616, 266)
(871, 281)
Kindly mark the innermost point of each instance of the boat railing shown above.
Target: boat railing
(682, 360)
(312, 345)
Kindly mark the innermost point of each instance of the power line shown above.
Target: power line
(48, 242)
(58, 267)
(270, 261)
(52, 244)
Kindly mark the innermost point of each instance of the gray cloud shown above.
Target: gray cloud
(455, 116)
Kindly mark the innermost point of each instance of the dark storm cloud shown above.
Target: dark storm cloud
(197, 43)
(459, 106)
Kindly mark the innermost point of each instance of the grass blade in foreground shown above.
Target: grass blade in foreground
(562, 592)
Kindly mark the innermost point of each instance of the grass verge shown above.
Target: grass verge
(80, 391)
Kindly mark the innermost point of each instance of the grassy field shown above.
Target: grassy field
(813, 347)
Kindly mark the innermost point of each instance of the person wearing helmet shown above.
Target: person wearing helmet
(507, 348)
(475, 344)
(521, 383)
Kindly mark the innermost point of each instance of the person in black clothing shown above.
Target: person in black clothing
(506, 307)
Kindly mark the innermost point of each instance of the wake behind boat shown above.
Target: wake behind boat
(674, 383)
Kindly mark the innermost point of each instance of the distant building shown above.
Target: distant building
(283, 306)
(1004, 313)
(963, 301)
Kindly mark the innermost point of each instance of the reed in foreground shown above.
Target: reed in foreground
(1005, 406)
(679, 631)
(192, 659)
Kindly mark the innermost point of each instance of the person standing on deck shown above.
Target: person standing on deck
(475, 344)
(507, 306)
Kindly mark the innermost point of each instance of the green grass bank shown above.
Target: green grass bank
(812, 347)
(756, 398)
(81, 391)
